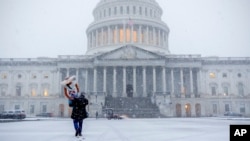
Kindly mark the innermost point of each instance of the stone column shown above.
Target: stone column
(144, 81)
(67, 72)
(139, 35)
(109, 35)
(147, 35)
(154, 35)
(104, 80)
(159, 37)
(86, 80)
(92, 40)
(77, 74)
(116, 36)
(191, 82)
(124, 33)
(199, 80)
(182, 87)
(114, 82)
(102, 38)
(154, 80)
(124, 81)
(134, 80)
(95, 78)
(164, 79)
(96, 38)
(164, 43)
(88, 37)
(172, 82)
(131, 33)
(59, 79)
(162, 38)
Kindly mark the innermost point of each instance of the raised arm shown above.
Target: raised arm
(77, 88)
(66, 93)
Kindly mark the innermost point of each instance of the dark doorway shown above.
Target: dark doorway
(178, 110)
(129, 90)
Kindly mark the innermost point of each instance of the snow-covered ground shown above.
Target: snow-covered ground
(168, 129)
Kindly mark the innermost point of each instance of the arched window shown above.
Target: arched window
(33, 89)
(240, 89)
(3, 88)
(18, 90)
(45, 88)
(213, 88)
(225, 90)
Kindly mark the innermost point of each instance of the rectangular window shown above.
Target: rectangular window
(18, 90)
(224, 75)
(17, 107)
(33, 92)
(115, 11)
(242, 108)
(214, 108)
(33, 76)
(46, 76)
(240, 89)
(32, 109)
(44, 108)
(45, 92)
(225, 89)
(213, 91)
(1, 108)
(127, 9)
(121, 10)
(227, 108)
(134, 10)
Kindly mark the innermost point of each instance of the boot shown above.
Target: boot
(76, 134)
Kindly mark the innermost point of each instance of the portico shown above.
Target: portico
(119, 75)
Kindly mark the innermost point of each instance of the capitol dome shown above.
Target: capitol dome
(127, 22)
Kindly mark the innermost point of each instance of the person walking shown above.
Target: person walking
(96, 114)
(79, 112)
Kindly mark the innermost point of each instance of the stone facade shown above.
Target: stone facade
(128, 56)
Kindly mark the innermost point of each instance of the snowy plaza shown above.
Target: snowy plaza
(157, 129)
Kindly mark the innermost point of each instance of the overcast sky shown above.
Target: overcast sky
(48, 28)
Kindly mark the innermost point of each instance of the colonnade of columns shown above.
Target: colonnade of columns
(127, 33)
(145, 80)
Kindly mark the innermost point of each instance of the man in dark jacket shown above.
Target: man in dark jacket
(79, 111)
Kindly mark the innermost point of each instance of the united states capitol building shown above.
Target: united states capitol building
(128, 67)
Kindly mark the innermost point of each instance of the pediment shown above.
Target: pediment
(129, 52)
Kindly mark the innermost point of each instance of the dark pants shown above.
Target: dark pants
(78, 125)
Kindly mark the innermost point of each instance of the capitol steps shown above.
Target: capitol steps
(139, 107)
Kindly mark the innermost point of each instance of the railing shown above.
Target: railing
(97, 93)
